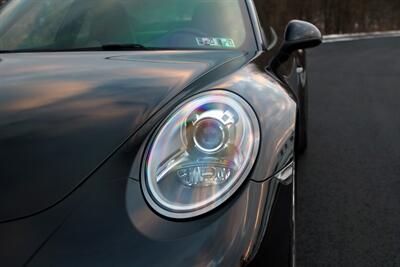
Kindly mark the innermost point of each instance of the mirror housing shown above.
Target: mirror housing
(298, 35)
(301, 35)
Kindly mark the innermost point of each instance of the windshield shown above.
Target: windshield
(167, 24)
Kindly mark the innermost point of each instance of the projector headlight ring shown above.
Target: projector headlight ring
(200, 155)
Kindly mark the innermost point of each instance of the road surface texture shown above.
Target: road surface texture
(349, 179)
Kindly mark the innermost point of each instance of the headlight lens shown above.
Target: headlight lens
(201, 154)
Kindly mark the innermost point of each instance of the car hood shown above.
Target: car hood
(63, 114)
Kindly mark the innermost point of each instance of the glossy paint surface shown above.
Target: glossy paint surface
(76, 155)
(107, 218)
(106, 221)
(104, 232)
(271, 100)
(302, 32)
(61, 115)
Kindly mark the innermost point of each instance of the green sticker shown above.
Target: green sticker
(228, 43)
(215, 42)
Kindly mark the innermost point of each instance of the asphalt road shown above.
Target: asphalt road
(349, 179)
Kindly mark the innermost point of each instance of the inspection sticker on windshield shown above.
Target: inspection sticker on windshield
(215, 42)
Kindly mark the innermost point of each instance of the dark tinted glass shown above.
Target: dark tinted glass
(64, 24)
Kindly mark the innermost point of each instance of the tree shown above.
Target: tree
(333, 16)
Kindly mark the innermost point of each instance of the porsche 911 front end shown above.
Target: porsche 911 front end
(143, 133)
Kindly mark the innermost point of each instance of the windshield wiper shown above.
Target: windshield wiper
(123, 47)
(105, 47)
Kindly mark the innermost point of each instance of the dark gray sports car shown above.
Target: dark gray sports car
(149, 133)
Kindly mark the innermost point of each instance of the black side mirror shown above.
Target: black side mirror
(298, 35)
(301, 35)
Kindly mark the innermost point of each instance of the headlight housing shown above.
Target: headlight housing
(201, 154)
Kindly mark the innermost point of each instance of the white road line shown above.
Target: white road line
(359, 36)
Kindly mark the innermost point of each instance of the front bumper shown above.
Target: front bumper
(123, 231)
(106, 222)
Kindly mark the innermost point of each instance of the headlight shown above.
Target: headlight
(201, 154)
